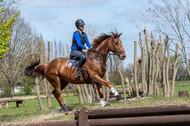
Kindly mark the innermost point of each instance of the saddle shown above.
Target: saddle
(73, 63)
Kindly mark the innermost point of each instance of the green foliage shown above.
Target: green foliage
(27, 87)
(6, 28)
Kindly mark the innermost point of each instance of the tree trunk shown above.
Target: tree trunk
(135, 69)
(175, 71)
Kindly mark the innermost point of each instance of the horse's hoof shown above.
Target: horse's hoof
(61, 110)
(118, 97)
(106, 105)
(68, 112)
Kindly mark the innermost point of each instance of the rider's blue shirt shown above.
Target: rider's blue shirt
(76, 36)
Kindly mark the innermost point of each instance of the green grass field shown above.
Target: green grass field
(31, 107)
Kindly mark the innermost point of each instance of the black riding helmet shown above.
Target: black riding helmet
(79, 22)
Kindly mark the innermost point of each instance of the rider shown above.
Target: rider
(79, 40)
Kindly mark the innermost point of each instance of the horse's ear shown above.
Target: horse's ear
(113, 34)
(116, 35)
(119, 35)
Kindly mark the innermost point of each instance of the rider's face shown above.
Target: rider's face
(81, 27)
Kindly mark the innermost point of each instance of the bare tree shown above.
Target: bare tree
(172, 17)
(17, 57)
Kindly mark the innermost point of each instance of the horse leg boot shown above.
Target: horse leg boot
(57, 95)
(101, 81)
(102, 101)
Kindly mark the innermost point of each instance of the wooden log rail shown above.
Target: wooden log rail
(167, 115)
(5, 102)
(178, 115)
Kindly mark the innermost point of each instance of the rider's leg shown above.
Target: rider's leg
(80, 64)
(81, 57)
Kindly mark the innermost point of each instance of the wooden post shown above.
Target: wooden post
(37, 84)
(128, 86)
(167, 67)
(107, 79)
(135, 69)
(79, 94)
(156, 80)
(7, 105)
(89, 99)
(83, 93)
(142, 65)
(152, 67)
(82, 114)
(48, 85)
(122, 80)
(175, 70)
(148, 55)
(164, 70)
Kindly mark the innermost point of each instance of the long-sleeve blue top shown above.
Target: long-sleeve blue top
(76, 36)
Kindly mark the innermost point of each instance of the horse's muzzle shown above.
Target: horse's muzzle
(123, 57)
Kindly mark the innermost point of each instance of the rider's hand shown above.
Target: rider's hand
(89, 49)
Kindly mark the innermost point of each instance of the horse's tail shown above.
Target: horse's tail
(33, 71)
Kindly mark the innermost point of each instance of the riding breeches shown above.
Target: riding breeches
(78, 55)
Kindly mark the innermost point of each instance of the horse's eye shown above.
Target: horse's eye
(117, 43)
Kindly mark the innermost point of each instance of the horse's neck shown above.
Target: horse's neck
(103, 51)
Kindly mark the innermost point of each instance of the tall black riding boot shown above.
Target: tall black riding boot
(79, 73)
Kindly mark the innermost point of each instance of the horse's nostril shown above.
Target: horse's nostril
(123, 57)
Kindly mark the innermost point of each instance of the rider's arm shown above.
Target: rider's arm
(77, 38)
(87, 42)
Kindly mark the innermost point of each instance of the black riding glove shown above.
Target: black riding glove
(89, 49)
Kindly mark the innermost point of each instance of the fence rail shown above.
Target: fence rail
(178, 115)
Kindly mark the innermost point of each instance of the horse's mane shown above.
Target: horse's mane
(99, 40)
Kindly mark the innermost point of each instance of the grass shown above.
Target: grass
(31, 108)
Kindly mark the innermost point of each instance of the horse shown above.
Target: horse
(59, 74)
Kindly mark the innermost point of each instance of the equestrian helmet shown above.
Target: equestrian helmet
(79, 22)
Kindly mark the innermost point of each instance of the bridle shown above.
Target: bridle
(118, 53)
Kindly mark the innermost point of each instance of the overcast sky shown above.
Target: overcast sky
(56, 18)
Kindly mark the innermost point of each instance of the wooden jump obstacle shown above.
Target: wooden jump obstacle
(6, 102)
(172, 115)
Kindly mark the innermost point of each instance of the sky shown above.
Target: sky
(55, 19)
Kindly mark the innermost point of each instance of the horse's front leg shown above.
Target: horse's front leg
(99, 81)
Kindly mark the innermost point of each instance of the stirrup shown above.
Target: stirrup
(79, 74)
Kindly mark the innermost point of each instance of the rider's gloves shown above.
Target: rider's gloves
(89, 49)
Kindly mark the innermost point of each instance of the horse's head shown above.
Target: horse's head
(115, 45)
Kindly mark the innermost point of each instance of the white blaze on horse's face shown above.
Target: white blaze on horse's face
(117, 47)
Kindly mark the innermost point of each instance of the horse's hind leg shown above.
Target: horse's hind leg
(56, 83)
(102, 101)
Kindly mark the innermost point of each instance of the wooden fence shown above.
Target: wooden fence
(176, 115)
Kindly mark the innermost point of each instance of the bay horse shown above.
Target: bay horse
(58, 74)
